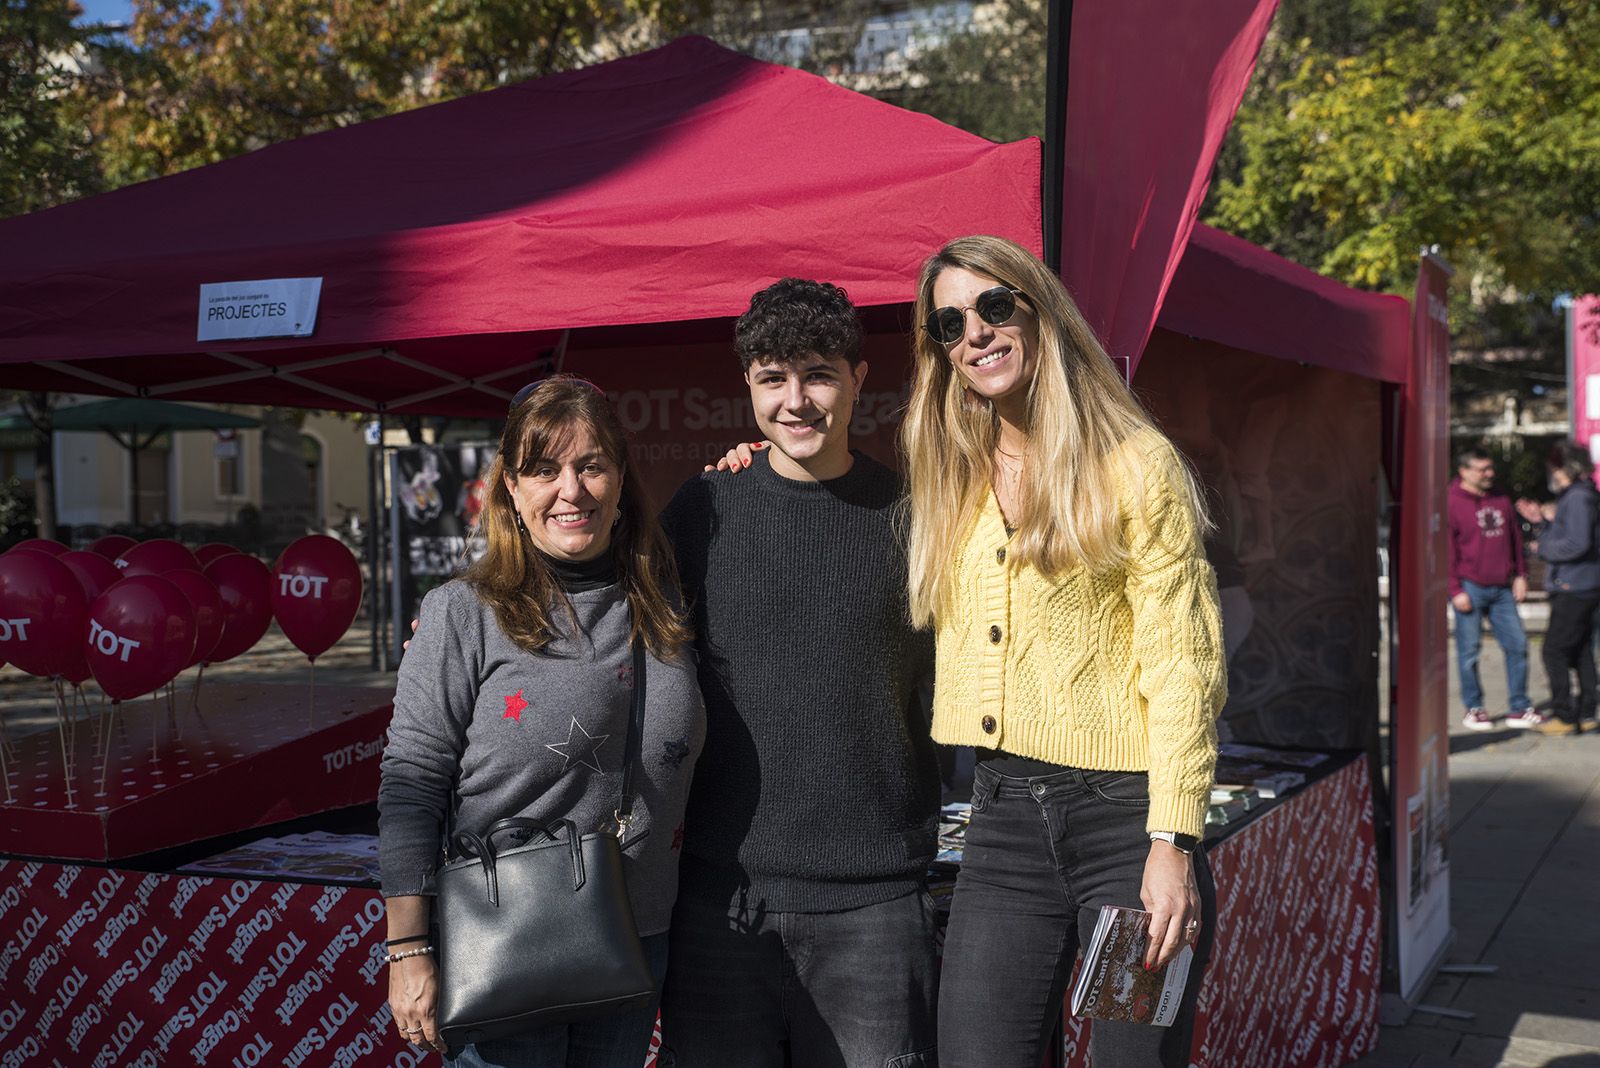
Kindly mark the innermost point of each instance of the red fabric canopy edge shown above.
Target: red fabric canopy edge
(1230, 291)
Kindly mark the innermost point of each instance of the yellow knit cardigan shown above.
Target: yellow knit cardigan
(1118, 670)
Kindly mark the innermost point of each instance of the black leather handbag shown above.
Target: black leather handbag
(541, 932)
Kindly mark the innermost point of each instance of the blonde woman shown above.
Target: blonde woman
(514, 700)
(1055, 547)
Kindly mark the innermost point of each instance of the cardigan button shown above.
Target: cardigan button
(994, 635)
(988, 724)
(1000, 556)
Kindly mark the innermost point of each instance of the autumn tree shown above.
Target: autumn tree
(44, 157)
(202, 80)
(1472, 124)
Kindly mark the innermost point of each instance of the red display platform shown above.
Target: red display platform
(250, 756)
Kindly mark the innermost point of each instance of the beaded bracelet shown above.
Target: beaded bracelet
(394, 957)
(391, 943)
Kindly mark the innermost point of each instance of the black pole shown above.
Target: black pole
(1058, 51)
(133, 463)
(375, 552)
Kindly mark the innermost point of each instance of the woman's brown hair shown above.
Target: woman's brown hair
(514, 577)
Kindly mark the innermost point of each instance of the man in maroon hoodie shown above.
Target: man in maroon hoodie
(1488, 579)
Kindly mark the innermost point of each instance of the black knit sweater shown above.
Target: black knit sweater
(818, 789)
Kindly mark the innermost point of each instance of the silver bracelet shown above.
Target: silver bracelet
(393, 957)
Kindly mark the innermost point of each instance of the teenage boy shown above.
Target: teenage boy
(802, 933)
(1488, 579)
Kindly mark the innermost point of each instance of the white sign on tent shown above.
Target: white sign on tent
(268, 307)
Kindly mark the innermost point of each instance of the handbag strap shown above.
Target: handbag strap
(624, 813)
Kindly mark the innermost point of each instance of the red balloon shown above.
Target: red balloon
(43, 614)
(54, 548)
(316, 592)
(241, 582)
(211, 550)
(207, 604)
(112, 545)
(141, 634)
(95, 573)
(156, 557)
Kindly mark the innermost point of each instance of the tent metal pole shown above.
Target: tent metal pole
(262, 371)
(367, 403)
(133, 465)
(1058, 34)
(456, 382)
(90, 376)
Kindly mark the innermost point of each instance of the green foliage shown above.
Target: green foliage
(17, 519)
(987, 78)
(1471, 124)
(203, 80)
(44, 158)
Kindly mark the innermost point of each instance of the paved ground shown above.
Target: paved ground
(1525, 886)
(1525, 876)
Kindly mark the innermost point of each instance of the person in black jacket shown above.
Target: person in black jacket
(1570, 546)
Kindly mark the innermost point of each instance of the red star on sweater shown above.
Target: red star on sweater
(514, 706)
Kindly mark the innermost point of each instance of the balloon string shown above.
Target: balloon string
(105, 762)
(61, 729)
(311, 695)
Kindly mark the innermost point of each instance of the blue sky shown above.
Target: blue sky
(106, 10)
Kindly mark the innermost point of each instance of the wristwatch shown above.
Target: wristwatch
(1183, 843)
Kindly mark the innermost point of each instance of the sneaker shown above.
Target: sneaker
(1559, 728)
(1529, 718)
(1477, 719)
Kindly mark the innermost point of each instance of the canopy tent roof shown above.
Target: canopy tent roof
(460, 239)
(1238, 294)
(138, 414)
(631, 206)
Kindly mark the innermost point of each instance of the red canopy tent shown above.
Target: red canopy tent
(628, 203)
(621, 213)
(453, 240)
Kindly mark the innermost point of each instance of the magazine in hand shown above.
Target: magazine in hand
(1113, 985)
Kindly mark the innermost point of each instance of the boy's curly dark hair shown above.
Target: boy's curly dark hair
(796, 317)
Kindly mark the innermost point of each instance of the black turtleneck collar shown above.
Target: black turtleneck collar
(580, 576)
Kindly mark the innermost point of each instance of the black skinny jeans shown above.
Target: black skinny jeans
(1042, 855)
(1568, 646)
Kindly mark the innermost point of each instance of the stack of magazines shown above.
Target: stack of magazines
(1248, 775)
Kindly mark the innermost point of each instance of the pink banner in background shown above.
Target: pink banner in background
(1583, 370)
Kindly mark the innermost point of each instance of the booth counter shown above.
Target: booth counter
(108, 967)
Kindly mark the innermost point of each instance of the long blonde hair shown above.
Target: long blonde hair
(513, 577)
(1079, 413)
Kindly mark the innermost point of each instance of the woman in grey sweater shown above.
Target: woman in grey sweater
(514, 700)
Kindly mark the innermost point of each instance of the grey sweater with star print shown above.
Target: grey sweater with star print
(488, 730)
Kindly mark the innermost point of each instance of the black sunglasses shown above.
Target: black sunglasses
(527, 391)
(994, 306)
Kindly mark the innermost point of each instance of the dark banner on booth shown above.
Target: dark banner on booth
(685, 412)
(1288, 457)
(437, 493)
(1420, 782)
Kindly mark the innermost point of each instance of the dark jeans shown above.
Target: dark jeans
(756, 989)
(1568, 646)
(1042, 855)
(605, 1042)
